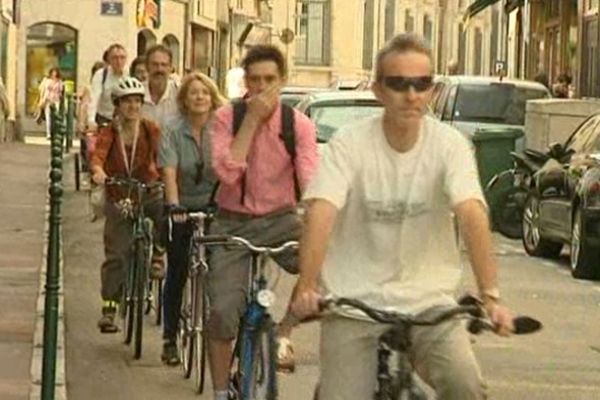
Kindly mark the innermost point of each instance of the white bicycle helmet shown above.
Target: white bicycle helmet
(126, 87)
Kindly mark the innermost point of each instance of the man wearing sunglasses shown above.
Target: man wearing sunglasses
(379, 229)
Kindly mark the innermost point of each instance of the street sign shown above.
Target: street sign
(500, 66)
(111, 8)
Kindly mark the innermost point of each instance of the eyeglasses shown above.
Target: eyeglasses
(402, 83)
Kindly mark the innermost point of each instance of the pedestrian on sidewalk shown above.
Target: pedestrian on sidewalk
(101, 107)
(126, 148)
(51, 90)
(189, 182)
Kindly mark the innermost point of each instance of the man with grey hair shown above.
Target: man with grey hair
(379, 229)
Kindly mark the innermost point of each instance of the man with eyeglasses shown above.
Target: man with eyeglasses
(379, 229)
(101, 107)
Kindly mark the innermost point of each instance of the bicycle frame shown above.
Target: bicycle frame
(135, 288)
(256, 323)
(252, 320)
(192, 314)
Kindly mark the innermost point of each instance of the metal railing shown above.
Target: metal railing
(51, 306)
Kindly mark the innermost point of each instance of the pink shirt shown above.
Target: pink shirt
(268, 168)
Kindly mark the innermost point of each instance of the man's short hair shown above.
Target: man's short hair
(108, 52)
(159, 48)
(402, 43)
(265, 52)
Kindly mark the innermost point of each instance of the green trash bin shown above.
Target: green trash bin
(492, 151)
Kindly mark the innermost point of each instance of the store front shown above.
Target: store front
(49, 45)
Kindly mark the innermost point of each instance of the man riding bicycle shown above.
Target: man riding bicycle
(380, 230)
(257, 197)
(126, 148)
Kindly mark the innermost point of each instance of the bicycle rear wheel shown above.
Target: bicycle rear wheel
(126, 306)
(200, 338)
(257, 366)
(140, 284)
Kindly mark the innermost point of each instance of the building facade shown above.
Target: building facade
(52, 34)
(8, 66)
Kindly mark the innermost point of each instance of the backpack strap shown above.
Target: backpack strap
(239, 112)
(104, 76)
(288, 135)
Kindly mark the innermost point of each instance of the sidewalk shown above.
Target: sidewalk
(23, 186)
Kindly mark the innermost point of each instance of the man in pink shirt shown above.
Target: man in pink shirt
(256, 199)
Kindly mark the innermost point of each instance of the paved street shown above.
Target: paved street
(558, 363)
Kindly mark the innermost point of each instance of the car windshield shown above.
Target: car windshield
(330, 117)
(291, 99)
(498, 103)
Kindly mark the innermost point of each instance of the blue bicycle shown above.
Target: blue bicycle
(254, 364)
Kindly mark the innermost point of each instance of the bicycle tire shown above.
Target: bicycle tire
(186, 346)
(258, 366)
(200, 339)
(77, 172)
(158, 300)
(141, 282)
(126, 307)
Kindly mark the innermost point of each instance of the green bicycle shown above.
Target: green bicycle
(135, 294)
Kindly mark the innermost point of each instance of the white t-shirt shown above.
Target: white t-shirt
(166, 110)
(101, 94)
(393, 243)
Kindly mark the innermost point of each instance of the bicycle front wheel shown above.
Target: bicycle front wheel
(200, 338)
(257, 364)
(186, 336)
(140, 284)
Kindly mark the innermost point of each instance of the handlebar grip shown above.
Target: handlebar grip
(522, 325)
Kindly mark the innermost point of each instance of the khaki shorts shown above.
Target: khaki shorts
(442, 356)
(228, 278)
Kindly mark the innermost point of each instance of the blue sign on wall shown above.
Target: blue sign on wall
(111, 7)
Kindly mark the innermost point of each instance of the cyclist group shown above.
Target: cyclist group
(380, 203)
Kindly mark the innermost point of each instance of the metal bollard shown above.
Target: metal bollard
(70, 123)
(51, 311)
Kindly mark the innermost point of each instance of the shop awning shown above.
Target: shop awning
(476, 7)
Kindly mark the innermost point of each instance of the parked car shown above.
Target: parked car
(332, 109)
(292, 95)
(470, 103)
(563, 205)
(350, 84)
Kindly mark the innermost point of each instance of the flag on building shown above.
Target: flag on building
(148, 14)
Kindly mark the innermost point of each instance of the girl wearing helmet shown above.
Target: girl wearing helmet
(126, 148)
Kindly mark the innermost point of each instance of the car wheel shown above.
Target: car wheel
(584, 258)
(533, 242)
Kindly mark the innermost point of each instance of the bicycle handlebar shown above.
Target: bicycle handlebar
(522, 324)
(116, 181)
(225, 240)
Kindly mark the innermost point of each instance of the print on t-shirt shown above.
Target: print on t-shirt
(393, 211)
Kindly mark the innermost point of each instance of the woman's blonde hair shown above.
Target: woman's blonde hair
(216, 97)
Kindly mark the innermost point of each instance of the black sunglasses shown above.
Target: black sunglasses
(402, 83)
